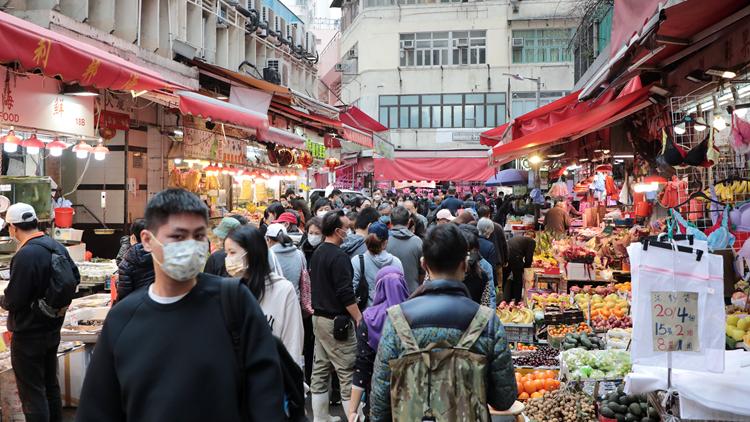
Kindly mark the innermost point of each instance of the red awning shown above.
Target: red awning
(355, 117)
(358, 137)
(220, 111)
(582, 122)
(325, 121)
(435, 165)
(492, 136)
(628, 19)
(281, 137)
(34, 47)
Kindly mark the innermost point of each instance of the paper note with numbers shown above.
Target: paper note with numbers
(674, 319)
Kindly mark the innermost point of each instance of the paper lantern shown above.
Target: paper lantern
(332, 162)
(305, 158)
(107, 132)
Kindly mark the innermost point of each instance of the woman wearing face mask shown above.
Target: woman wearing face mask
(274, 211)
(291, 259)
(374, 259)
(312, 238)
(476, 279)
(321, 207)
(247, 257)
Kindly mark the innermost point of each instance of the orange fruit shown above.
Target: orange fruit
(536, 395)
(519, 387)
(549, 374)
(529, 387)
(537, 384)
(518, 376)
(549, 384)
(523, 395)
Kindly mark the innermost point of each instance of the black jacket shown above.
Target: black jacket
(216, 264)
(452, 203)
(307, 249)
(440, 303)
(30, 274)
(124, 247)
(136, 271)
(487, 250)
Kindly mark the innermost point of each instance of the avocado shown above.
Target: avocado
(606, 412)
(623, 400)
(620, 417)
(575, 336)
(629, 417)
(584, 334)
(568, 346)
(644, 408)
(643, 397)
(632, 398)
(586, 343)
(612, 396)
(635, 409)
(652, 413)
(647, 419)
(614, 406)
(621, 389)
(569, 338)
(604, 403)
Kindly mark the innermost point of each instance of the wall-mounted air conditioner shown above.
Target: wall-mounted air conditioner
(351, 54)
(516, 43)
(407, 44)
(461, 43)
(221, 21)
(281, 66)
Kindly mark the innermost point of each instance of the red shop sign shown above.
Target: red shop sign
(113, 120)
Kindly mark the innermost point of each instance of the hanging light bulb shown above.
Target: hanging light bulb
(11, 142)
(82, 150)
(680, 129)
(100, 151)
(56, 147)
(700, 124)
(740, 112)
(32, 144)
(719, 122)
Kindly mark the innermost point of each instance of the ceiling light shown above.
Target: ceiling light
(680, 129)
(32, 144)
(624, 156)
(535, 159)
(56, 147)
(556, 154)
(740, 112)
(619, 161)
(700, 124)
(697, 77)
(99, 152)
(11, 142)
(656, 99)
(177, 132)
(656, 89)
(583, 159)
(82, 149)
(178, 160)
(719, 122)
(222, 97)
(77, 90)
(722, 73)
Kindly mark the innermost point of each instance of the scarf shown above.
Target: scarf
(390, 289)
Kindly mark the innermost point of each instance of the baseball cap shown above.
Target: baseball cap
(20, 213)
(286, 217)
(274, 229)
(225, 226)
(380, 229)
(445, 215)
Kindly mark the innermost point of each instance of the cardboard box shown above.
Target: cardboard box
(575, 271)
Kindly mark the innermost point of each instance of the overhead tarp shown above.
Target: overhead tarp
(579, 124)
(355, 117)
(628, 19)
(358, 137)
(251, 99)
(315, 106)
(281, 137)
(452, 165)
(219, 111)
(493, 136)
(34, 47)
(312, 117)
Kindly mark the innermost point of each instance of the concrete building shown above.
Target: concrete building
(433, 70)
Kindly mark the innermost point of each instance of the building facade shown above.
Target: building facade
(433, 71)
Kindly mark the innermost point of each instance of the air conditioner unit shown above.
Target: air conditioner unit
(407, 44)
(298, 33)
(516, 43)
(282, 67)
(338, 67)
(288, 31)
(351, 54)
(310, 44)
(271, 75)
(280, 26)
(266, 15)
(461, 43)
(221, 21)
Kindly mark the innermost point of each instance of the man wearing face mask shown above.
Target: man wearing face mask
(335, 307)
(335, 198)
(187, 349)
(377, 197)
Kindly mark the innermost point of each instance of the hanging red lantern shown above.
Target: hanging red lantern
(305, 158)
(107, 132)
(332, 162)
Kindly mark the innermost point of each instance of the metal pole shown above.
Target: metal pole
(538, 92)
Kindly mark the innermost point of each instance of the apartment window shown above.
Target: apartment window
(543, 45)
(525, 102)
(443, 48)
(442, 111)
(300, 2)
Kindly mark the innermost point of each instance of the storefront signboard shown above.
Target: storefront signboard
(315, 149)
(113, 120)
(464, 135)
(382, 147)
(207, 145)
(35, 102)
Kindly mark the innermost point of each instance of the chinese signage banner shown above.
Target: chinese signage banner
(112, 120)
(316, 150)
(202, 144)
(34, 101)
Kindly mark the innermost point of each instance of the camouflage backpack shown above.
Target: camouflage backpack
(446, 385)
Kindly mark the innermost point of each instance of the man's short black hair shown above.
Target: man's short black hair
(400, 216)
(452, 191)
(289, 191)
(282, 196)
(483, 212)
(172, 201)
(483, 190)
(241, 218)
(335, 192)
(444, 248)
(136, 228)
(377, 190)
(27, 226)
(352, 216)
(331, 222)
(366, 217)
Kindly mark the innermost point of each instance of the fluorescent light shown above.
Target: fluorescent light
(178, 160)
(624, 156)
(222, 97)
(619, 161)
(177, 132)
(722, 73)
(583, 159)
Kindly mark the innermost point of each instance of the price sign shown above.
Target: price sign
(674, 316)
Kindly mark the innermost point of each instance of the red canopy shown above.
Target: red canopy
(281, 137)
(435, 165)
(220, 111)
(34, 47)
(358, 137)
(584, 120)
(492, 136)
(355, 117)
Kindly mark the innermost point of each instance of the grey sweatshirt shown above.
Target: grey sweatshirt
(291, 261)
(373, 264)
(407, 247)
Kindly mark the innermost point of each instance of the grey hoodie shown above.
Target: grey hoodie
(291, 261)
(354, 245)
(407, 247)
(373, 264)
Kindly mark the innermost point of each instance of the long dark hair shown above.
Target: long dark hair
(300, 206)
(471, 238)
(251, 240)
(283, 239)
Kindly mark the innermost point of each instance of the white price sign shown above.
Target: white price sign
(674, 316)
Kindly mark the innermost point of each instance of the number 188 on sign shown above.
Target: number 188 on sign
(674, 316)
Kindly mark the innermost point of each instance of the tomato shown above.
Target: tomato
(529, 387)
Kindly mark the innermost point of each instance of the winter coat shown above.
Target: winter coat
(407, 247)
(373, 264)
(291, 261)
(124, 246)
(136, 271)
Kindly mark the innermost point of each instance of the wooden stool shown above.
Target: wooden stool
(515, 410)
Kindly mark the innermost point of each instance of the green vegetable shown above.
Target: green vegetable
(652, 413)
(575, 336)
(644, 408)
(647, 419)
(620, 417)
(623, 400)
(632, 398)
(568, 346)
(586, 343)
(635, 409)
(607, 412)
(629, 417)
(621, 389)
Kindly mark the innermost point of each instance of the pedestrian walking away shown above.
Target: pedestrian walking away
(407, 247)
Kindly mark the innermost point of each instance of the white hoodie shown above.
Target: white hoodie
(281, 307)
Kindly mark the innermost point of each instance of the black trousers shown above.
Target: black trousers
(35, 366)
(513, 289)
(308, 348)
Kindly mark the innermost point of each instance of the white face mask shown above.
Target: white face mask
(235, 265)
(182, 260)
(377, 197)
(283, 203)
(322, 213)
(349, 232)
(400, 204)
(315, 240)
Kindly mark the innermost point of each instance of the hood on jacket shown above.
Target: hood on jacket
(444, 286)
(382, 259)
(284, 250)
(353, 243)
(401, 232)
(138, 256)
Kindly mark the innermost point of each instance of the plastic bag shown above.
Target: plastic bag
(528, 220)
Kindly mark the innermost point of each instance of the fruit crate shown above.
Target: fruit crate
(573, 316)
(554, 318)
(523, 333)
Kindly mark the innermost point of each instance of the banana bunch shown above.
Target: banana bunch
(516, 316)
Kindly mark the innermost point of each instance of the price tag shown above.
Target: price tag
(674, 316)
(74, 320)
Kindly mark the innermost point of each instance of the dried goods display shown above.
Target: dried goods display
(193, 181)
(212, 182)
(176, 179)
(563, 405)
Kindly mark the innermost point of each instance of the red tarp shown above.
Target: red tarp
(220, 111)
(492, 136)
(454, 169)
(325, 121)
(360, 138)
(628, 19)
(34, 47)
(281, 137)
(582, 121)
(355, 117)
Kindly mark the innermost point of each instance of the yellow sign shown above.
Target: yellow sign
(42, 52)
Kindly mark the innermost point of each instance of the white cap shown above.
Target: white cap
(444, 215)
(274, 229)
(20, 213)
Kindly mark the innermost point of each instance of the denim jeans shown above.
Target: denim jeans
(35, 366)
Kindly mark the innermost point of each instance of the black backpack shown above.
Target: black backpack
(62, 286)
(292, 375)
(363, 288)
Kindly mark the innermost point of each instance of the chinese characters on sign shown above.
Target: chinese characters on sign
(58, 111)
(316, 150)
(209, 145)
(674, 316)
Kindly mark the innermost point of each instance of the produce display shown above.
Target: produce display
(563, 405)
(544, 356)
(562, 330)
(535, 384)
(737, 328)
(550, 298)
(575, 340)
(515, 314)
(623, 407)
(525, 348)
(583, 364)
(618, 338)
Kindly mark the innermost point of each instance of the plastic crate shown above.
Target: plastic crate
(554, 318)
(523, 333)
(572, 317)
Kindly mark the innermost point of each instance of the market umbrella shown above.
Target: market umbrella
(509, 177)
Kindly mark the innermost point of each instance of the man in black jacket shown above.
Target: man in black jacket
(451, 202)
(521, 255)
(33, 349)
(185, 350)
(137, 268)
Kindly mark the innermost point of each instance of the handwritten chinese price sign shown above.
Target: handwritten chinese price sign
(675, 319)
